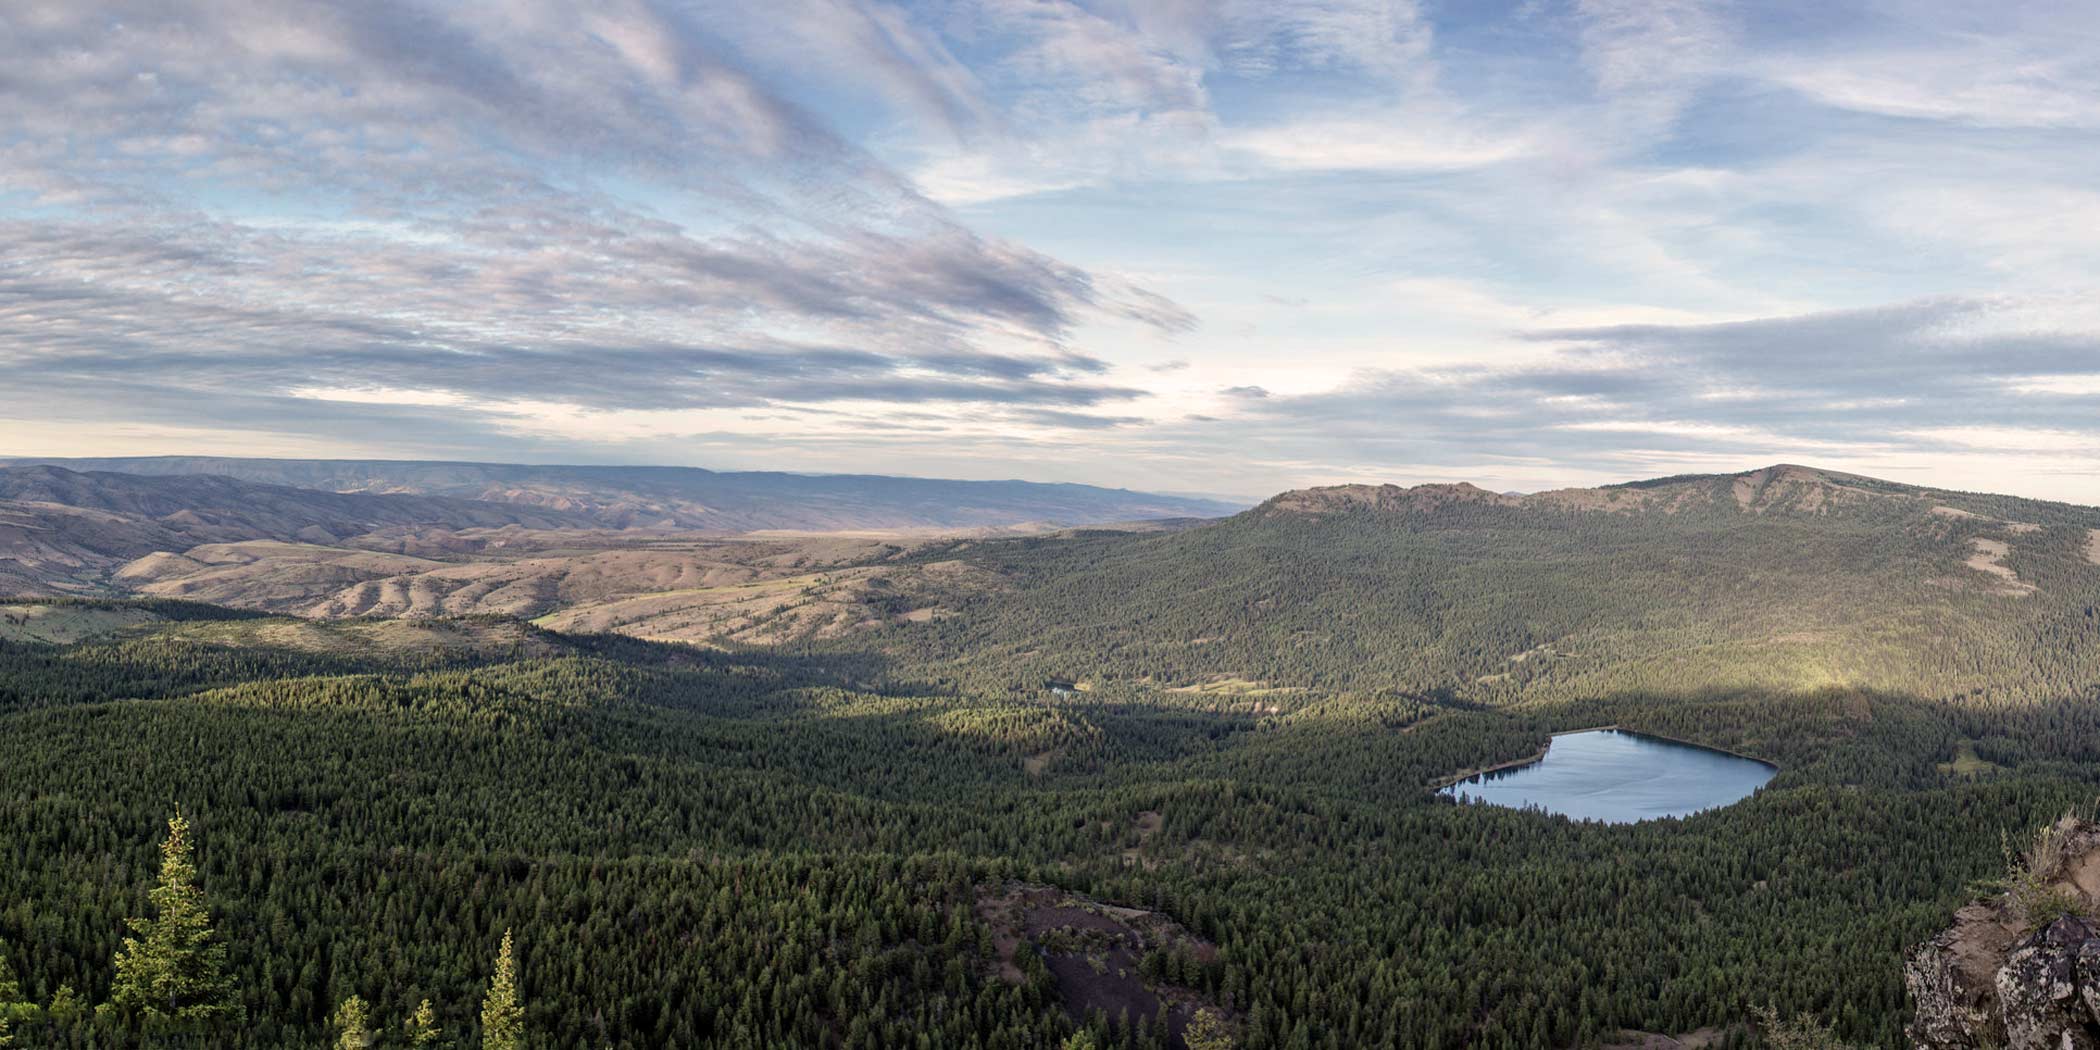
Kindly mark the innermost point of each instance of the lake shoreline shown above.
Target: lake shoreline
(1441, 785)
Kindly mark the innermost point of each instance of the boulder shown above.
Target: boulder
(2040, 1000)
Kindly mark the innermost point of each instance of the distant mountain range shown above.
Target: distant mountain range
(1785, 578)
(69, 526)
(692, 498)
(64, 531)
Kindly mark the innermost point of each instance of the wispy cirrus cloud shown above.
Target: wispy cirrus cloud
(589, 205)
(1086, 239)
(1890, 388)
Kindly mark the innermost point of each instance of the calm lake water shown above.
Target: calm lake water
(1619, 777)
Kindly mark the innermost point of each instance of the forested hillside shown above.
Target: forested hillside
(782, 848)
(1785, 579)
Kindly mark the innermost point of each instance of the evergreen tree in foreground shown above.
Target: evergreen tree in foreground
(66, 1006)
(173, 972)
(1208, 1031)
(10, 993)
(353, 1020)
(423, 1026)
(10, 988)
(502, 1018)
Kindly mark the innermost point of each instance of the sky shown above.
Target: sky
(1228, 248)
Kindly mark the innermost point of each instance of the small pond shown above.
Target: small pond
(1619, 777)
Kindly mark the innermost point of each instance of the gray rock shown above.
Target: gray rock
(2039, 997)
(2089, 977)
(1948, 1014)
(1988, 981)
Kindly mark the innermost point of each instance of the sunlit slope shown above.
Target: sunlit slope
(1786, 578)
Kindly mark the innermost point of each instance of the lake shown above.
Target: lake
(1619, 777)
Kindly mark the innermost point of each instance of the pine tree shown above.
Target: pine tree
(10, 993)
(66, 1006)
(353, 1020)
(1797, 1033)
(423, 1027)
(173, 972)
(1081, 1040)
(502, 1019)
(1208, 1031)
(10, 988)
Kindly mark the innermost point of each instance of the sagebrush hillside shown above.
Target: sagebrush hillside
(65, 531)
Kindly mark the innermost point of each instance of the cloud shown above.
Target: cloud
(861, 45)
(1061, 236)
(590, 205)
(2029, 65)
(1079, 420)
(1099, 93)
(1648, 57)
(1389, 145)
(1909, 378)
(80, 331)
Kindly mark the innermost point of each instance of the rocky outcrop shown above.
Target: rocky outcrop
(2022, 971)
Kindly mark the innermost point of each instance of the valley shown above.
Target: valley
(1003, 786)
(1049, 525)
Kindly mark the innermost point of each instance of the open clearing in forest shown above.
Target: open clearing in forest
(1035, 765)
(1633, 1039)
(1990, 557)
(1234, 686)
(1967, 763)
(63, 624)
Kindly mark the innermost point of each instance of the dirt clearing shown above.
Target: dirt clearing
(1095, 953)
(1990, 556)
(63, 624)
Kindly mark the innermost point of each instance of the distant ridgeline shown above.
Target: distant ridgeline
(676, 497)
(1785, 579)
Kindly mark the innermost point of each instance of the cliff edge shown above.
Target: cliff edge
(2020, 971)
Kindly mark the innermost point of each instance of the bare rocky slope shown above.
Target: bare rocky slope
(65, 531)
(676, 587)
